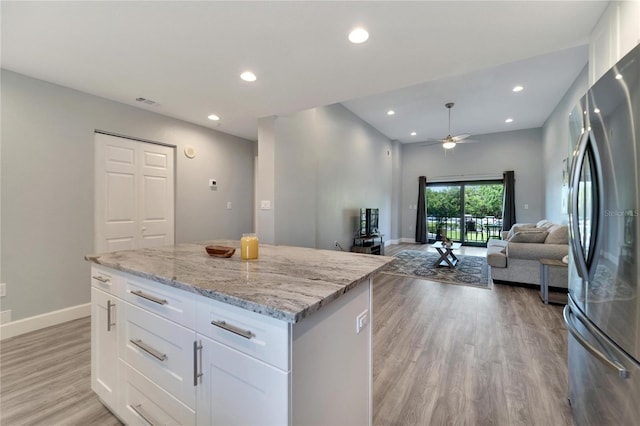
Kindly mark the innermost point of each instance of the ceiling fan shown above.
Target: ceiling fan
(449, 141)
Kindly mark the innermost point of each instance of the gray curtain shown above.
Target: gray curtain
(421, 218)
(508, 200)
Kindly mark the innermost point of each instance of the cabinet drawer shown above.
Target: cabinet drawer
(171, 303)
(160, 349)
(143, 403)
(106, 280)
(259, 336)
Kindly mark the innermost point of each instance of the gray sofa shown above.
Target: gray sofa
(515, 258)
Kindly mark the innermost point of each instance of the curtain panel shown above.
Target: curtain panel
(421, 217)
(509, 200)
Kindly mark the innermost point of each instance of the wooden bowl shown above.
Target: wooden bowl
(220, 251)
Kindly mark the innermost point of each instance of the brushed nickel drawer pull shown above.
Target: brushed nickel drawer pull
(101, 279)
(154, 299)
(109, 306)
(148, 349)
(247, 334)
(145, 416)
(197, 347)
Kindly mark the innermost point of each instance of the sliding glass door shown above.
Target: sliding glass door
(467, 212)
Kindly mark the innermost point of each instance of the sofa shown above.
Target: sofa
(516, 257)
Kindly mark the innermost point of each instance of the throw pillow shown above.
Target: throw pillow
(534, 237)
(544, 223)
(519, 227)
(558, 234)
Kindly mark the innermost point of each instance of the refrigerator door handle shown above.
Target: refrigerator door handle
(586, 264)
(574, 226)
(602, 357)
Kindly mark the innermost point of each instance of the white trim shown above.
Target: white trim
(389, 242)
(407, 240)
(15, 328)
(469, 177)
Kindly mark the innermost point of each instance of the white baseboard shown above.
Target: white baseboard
(407, 240)
(389, 242)
(16, 328)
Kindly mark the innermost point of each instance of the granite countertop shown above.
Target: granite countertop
(285, 282)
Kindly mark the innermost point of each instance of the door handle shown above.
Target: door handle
(601, 356)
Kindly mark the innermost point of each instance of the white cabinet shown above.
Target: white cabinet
(159, 349)
(161, 355)
(104, 346)
(236, 389)
(615, 34)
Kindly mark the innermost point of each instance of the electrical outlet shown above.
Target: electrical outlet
(362, 320)
(228, 205)
(5, 317)
(3, 289)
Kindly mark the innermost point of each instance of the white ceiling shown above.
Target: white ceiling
(187, 56)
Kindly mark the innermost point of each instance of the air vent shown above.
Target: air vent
(147, 101)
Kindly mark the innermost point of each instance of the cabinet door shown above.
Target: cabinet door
(104, 344)
(236, 389)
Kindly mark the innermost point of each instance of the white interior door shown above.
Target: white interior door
(134, 194)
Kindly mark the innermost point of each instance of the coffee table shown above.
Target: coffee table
(447, 258)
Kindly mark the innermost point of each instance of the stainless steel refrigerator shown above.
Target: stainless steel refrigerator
(603, 312)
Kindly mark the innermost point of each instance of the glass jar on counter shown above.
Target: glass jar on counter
(249, 246)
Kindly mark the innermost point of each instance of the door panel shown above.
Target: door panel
(134, 194)
(156, 201)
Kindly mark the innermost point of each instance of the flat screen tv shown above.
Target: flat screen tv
(368, 222)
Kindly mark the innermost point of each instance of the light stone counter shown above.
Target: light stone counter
(285, 282)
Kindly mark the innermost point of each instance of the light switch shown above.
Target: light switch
(526, 206)
(265, 205)
(228, 205)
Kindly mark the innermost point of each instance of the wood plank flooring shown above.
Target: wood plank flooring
(442, 354)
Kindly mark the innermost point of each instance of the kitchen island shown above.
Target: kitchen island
(180, 337)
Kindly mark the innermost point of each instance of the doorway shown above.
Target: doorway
(469, 212)
(134, 194)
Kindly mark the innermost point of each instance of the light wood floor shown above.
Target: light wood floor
(443, 354)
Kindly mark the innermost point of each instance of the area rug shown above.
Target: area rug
(470, 270)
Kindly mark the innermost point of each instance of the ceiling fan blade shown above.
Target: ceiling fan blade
(467, 141)
(460, 137)
(435, 140)
(432, 142)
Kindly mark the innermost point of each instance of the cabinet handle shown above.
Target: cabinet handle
(154, 299)
(109, 323)
(148, 349)
(101, 279)
(197, 347)
(247, 334)
(145, 416)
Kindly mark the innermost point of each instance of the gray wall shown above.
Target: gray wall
(520, 151)
(47, 186)
(329, 164)
(557, 145)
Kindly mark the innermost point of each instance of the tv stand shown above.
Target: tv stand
(368, 244)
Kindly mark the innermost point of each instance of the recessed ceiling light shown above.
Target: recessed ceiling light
(597, 110)
(248, 76)
(213, 117)
(618, 76)
(509, 120)
(358, 35)
(391, 112)
(518, 89)
(413, 133)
